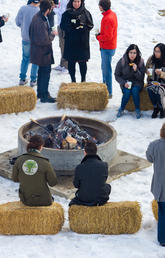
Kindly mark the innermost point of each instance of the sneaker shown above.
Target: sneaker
(33, 83)
(48, 100)
(58, 68)
(162, 114)
(23, 82)
(138, 114)
(120, 112)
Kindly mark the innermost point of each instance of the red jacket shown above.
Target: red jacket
(108, 33)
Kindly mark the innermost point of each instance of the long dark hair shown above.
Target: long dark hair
(35, 142)
(138, 55)
(159, 61)
(70, 4)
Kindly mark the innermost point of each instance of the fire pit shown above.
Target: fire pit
(64, 161)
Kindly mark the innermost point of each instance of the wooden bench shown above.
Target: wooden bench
(18, 219)
(83, 96)
(17, 99)
(111, 218)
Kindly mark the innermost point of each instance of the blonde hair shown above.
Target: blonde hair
(162, 131)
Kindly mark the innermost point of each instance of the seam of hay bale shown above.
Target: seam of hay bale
(111, 218)
(17, 99)
(84, 96)
(18, 219)
(155, 209)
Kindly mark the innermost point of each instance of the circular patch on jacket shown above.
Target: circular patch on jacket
(30, 167)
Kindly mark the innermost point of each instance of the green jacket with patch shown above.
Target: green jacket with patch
(34, 172)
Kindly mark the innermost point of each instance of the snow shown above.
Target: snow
(139, 23)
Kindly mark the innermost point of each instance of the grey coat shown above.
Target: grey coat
(156, 155)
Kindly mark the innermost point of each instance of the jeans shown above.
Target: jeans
(161, 222)
(134, 91)
(106, 58)
(155, 99)
(25, 62)
(43, 81)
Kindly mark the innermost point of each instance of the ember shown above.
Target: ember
(66, 135)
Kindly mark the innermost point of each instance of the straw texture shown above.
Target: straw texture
(84, 96)
(18, 219)
(17, 99)
(111, 218)
(145, 103)
(155, 209)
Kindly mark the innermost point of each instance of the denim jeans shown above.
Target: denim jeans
(134, 91)
(155, 99)
(25, 62)
(43, 81)
(106, 59)
(161, 222)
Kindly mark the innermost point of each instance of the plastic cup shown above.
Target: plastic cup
(150, 71)
(130, 85)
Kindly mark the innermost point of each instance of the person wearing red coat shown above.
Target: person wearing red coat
(108, 41)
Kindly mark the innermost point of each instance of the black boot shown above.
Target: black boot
(155, 112)
(162, 113)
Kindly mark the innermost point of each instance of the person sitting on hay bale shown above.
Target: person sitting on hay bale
(34, 171)
(156, 155)
(129, 73)
(155, 68)
(90, 177)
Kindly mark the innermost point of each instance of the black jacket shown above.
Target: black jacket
(2, 23)
(76, 46)
(124, 73)
(90, 179)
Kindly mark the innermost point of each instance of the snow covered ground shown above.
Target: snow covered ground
(139, 23)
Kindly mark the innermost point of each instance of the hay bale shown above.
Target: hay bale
(84, 96)
(145, 102)
(155, 209)
(18, 219)
(112, 218)
(17, 99)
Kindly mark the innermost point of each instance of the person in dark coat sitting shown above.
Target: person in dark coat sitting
(90, 179)
(76, 22)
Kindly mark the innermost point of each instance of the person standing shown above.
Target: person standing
(155, 154)
(41, 54)
(23, 20)
(90, 179)
(34, 173)
(63, 66)
(108, 41)
(76, 22)
(3, 19)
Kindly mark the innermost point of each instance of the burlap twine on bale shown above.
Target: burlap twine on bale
(17, 99)
(155, 209)
(18, 219)
(111, 218)
(145, 102)
(89, 96)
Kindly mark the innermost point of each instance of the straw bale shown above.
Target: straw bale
(18, 219)
(17, 99)
(112, 218)
(155, 209)
(84, 96)
(145, 103)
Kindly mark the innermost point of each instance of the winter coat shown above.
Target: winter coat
(41, 52)
(90, 179)
(2, 23)
(108, 34)
(160, 78)
(76, 46)
(34, 172)
(124, 73)
(156, 155)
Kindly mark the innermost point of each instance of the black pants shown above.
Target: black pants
(72, 70)
(43, 81)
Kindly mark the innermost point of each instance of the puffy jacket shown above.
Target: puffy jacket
(34, 172)
(108, 33)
